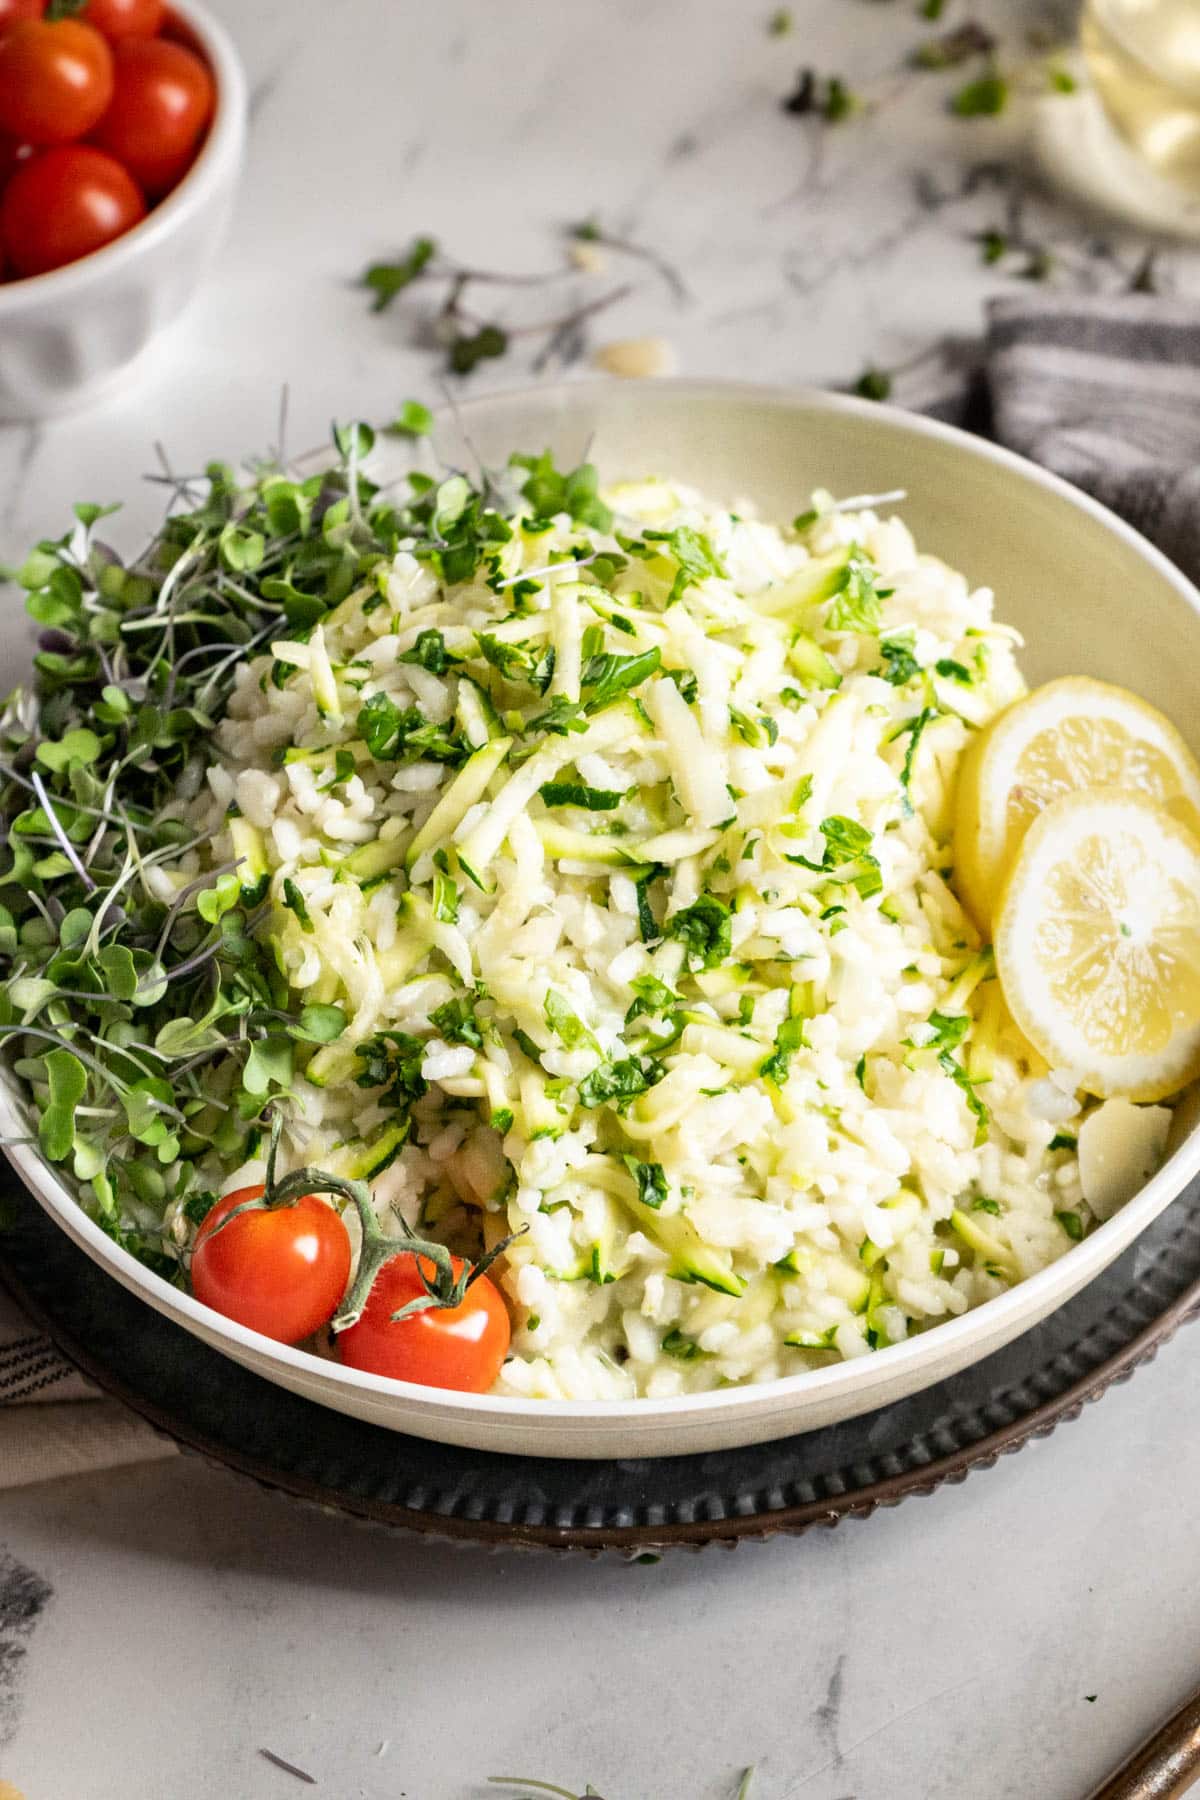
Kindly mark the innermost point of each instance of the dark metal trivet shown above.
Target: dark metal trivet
(211, 1405)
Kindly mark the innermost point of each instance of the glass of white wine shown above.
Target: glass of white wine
(1144, 60)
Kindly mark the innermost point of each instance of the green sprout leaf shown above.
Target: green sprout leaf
(68, 1085)
(413, 420)
(388, 279)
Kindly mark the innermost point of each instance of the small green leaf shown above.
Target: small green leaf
(88, 1160)
(74, 928)
(241, 551)
(386, 280)
(413, 420)
(212, 902)
(68, 1084)
(295, 902)
(78, 746)
(145, 1103)
(87, 513)
(151, 979)
(476, 347)
(357, 440)
(705, 929)
(269, 1062)
(983, 98)
(873, 384)
(116, 966)
(319, 1024)
(651, 1181)
(451, 502)
(289, 509)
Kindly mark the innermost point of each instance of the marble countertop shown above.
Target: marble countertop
(160, 1626)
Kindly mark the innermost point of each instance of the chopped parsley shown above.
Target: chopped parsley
(651, 1181)
(391, 1060)
(858, 603)
(294, 900)
(695, 558)
(788, 1039)
(900, 665)
(620, 1081)
(705, 930)
(577, 793)
(457, 1023)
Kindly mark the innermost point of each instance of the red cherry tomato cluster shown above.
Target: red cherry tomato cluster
(283, 1272)
(100, 116)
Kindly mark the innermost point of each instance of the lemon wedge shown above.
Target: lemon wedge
(1069, 735)
(1098, 944)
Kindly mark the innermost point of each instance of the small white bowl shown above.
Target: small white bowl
(1091, 597)
(67, 336)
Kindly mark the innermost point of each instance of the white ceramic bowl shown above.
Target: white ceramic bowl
(1092, 598)
(67, 337)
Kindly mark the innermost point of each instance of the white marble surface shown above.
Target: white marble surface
(946, 1649)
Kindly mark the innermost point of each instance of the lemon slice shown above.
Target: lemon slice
(1070, 734)
(1098, 944)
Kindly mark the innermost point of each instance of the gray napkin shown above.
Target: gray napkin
(1106, 392)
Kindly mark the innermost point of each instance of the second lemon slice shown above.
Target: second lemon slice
(1069, 735)
(1098, 944)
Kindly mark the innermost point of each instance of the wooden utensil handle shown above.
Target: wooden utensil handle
(1165, 1766)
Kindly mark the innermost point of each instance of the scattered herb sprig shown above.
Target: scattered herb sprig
(468, 335)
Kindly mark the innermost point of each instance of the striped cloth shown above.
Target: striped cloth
(1105, 392)
(52, 1421)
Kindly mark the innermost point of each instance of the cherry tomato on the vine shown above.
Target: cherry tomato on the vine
(162, 100)
(280, 1271)
(64, 204)
(56, 80)
(125, 18)
(458, 1347)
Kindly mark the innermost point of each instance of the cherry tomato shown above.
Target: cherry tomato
(12, 11)
(64, 204)
(56, 79)
(162, 100)
(125, 18)
(458, 1347)
(280, 1272)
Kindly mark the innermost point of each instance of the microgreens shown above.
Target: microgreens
(468, 338)
(821, 96)
(140, 1001)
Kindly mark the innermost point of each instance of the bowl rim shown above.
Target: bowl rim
(1083, 1261)
(222, 144)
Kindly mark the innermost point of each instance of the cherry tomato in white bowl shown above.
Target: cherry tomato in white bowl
(69, 334)
(63, 205)
(56, 80)
(161, 103)
(121, 18)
